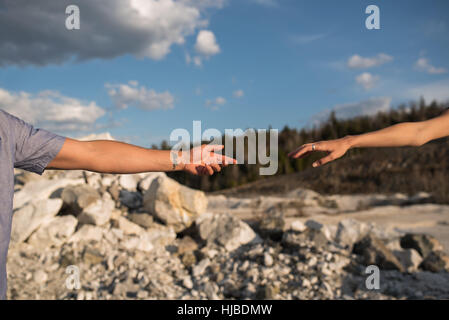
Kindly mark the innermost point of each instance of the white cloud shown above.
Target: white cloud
(33, 32)
(206, 43)
(238, 93)
(51, 110)
(361, 108)
(423, 64)
(358, 62)
(367, 80)
(206, 46)
(127, 95)
(215, 103)
(438, 91)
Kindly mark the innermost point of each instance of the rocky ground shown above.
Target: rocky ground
(79, 235)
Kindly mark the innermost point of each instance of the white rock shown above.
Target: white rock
(225, 230)
(187, 282)
(201, 267)
(298, 226)
(128, 227)
(317, 226)
(87, 233)
(137, 243)
(129, 181)
(159, 237)
(173, 203)
(267, 259)
(309, 198)
(97, 213)
(349, 231)
(145, 182)
(94, 179)
(78, 197)
(107, 180)
(55, 231)
(40, 277)
(117, 232)
(409, 258)
(41, 189)
(32, 216)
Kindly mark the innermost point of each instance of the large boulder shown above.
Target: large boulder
(422, 243)
(40, 189)
(159, 237)
(78, 197)
(224, 230)
(129, 181)
(409, 258)
(22, 177)
(148, 240)
(142, 219)
(374, 252)
(436, 261)
(174, 204)
(147, 180)
(309, 237)
(54, 232)
(97, 213)
(128, 227)
(350, 231)
(31, 216)
(309, 198)
(87, 233)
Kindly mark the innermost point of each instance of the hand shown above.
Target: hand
(336, 148)
(204, 161)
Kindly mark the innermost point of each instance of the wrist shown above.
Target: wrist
(349, 141)
(182, 163)
(177, 161)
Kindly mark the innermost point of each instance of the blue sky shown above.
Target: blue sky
(262, 63)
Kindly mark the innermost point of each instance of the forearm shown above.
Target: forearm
(112, 157)
(119, 157)
(402, 134)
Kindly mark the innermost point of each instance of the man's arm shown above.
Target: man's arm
(118, 157)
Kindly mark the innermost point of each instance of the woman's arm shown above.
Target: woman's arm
(118, 157)
(402, 134)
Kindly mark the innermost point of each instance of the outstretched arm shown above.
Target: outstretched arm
(402, 134)
(118, 157)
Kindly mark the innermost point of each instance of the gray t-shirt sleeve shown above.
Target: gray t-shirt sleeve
(35, 148)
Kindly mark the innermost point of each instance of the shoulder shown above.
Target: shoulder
(7, 118)
(11, 126)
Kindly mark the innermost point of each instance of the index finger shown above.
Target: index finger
(301, 151)
(224, 159)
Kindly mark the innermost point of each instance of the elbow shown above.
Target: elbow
(421, 134)
(419, 140)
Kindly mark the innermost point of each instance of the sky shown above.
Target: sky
(141, 68)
